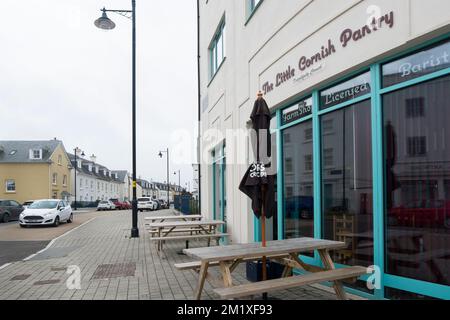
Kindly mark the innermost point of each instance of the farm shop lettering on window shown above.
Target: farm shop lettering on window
(421, 63)
(315, 62)
(348, 90)
(299, 111)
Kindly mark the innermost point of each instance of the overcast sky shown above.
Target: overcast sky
(62, 77)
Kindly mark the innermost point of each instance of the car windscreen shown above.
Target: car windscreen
(44, 205)
(104, 202)
(143, 199)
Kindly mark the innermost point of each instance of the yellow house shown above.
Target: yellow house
(32, 170)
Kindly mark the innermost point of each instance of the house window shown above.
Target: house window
(217, 49)
(289, 165)
(55, 178)
(254, 4)
(309, 162)
(415, 107)
(65, 180)
(10, 185)
(417, 146)
(328, 157)
(36, 154)
(59, 159)
(308, 134)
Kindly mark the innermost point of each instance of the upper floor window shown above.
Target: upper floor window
(10, 185)
(254, 4)
(65, 180)
(59, 159)
(217, 50)
(36, 154)
(55, 178)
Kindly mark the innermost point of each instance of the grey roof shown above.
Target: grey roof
(122, 174)
(22, 151)
(85, 169)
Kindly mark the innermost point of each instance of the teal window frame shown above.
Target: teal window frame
(214, 63)
(251, 9)
(377, 92)
(219, 163)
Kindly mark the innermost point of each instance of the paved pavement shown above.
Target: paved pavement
(18, 243)
(113, 266)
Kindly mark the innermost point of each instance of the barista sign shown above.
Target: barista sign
(306, 66)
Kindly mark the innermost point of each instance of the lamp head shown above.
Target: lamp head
(104, 22)
(160, 155)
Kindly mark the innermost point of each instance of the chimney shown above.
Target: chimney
(93, 158)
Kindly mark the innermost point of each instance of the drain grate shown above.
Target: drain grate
(20, 277)
(118, 270)
(43, 282)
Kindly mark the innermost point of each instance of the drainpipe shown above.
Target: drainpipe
(199, 111)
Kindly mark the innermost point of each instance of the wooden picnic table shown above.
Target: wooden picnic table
(228, 257)
(171, 218)
(203, 229)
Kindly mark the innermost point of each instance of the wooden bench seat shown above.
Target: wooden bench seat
(193, 237)
(246, 290)
(155, 231)
(194, 265)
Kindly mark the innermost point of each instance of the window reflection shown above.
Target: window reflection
(417, 166)
(347, 182)
(298, 181)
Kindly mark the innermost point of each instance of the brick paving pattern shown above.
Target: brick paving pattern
(115, 267)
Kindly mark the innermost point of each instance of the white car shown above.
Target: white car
(26, 204)
(106, 205)
(147, 204)
(46, 212)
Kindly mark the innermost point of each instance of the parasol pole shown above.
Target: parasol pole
(263, 237)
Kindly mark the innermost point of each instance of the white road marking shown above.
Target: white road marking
(5, 265)
(53, 241)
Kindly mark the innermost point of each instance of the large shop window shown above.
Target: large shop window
(298, 181)
(417, 175)
(347, 191)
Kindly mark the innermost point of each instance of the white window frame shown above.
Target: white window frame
(32, 155)
(65, 180)
(7, 182)
(55, 179)
(59, 159)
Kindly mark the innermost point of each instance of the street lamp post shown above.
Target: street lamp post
(168, 181)
(75, 151)
(179, 180)
(106, 24)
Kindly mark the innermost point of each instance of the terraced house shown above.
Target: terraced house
(31, 170)
(95, 182)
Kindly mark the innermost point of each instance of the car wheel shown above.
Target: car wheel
(70, 220)
(5, 217)
(56, 223)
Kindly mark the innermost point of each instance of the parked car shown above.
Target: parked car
(10, 210)
(128, 205)
(422, 213)
(26, 204)
(106, 205)
(119, 205)
(46, 212)
(163, 204)
(158, 204)
(146, 204)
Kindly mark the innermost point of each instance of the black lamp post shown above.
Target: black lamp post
(179, 180)
(168, 183)
(106, 24)
(75, 151)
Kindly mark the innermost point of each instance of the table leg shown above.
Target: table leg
(226, 274)
(201, 279)
(329, 265)
(159, 236)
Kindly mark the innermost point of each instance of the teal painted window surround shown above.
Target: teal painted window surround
(217, 49)
(375, 97)
(252, 6)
